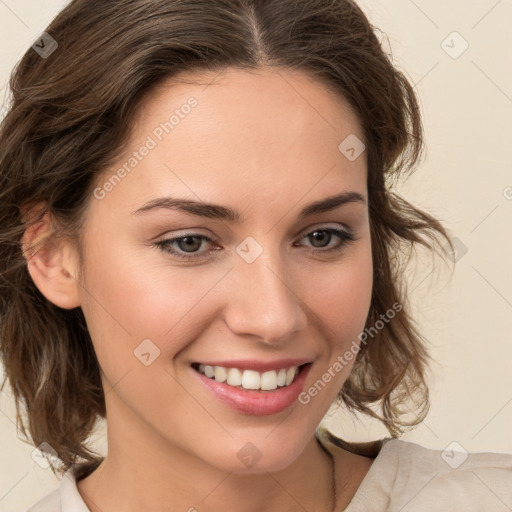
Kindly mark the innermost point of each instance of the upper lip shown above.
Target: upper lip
(259, 366)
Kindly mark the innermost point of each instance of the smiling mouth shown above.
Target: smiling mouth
(250, 379)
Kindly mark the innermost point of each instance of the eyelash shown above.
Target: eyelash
(164, 245)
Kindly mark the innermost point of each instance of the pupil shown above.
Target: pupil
(189, 242)
(318, 235)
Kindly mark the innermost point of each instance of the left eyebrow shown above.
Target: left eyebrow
(330, 203)
(215, 211)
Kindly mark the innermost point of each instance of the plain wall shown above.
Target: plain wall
(465, 180)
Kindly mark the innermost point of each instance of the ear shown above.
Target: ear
(51, 262)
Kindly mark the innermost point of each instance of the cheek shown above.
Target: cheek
(136, 302)
(341, 296)
(128, 299)
(341, 301)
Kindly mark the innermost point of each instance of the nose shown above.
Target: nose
(262, 301)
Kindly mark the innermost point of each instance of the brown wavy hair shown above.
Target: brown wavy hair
(68, 118)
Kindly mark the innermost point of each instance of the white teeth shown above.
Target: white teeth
(220, 373)
(251, 379)
(269, 380)
(234, 377)
(290, 374)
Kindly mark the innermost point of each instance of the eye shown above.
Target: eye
(324, 236)
(187, 247)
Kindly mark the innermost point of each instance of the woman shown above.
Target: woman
(199, 244)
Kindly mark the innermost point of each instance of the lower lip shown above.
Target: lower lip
(259, 403)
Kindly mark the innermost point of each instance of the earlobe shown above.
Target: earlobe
(51, 263)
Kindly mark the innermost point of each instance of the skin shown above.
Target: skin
(266, 144)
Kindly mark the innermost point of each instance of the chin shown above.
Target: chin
(255, 454)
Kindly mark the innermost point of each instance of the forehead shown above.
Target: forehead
(276, 97)
(258, 134)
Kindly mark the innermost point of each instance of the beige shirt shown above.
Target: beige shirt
(404, 477)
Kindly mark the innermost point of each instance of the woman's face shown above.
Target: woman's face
(252, 284)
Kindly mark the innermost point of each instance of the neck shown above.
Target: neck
(143, 471)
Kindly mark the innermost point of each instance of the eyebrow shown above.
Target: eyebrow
(215, 211)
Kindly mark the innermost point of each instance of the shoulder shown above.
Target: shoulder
(409, 477)
(50, 503)
(443, 479)
(65, 498)
(452, 476)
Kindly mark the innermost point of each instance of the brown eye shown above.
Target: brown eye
(186, 247)
(320, 238)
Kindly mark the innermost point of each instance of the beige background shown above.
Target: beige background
(465, 180)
